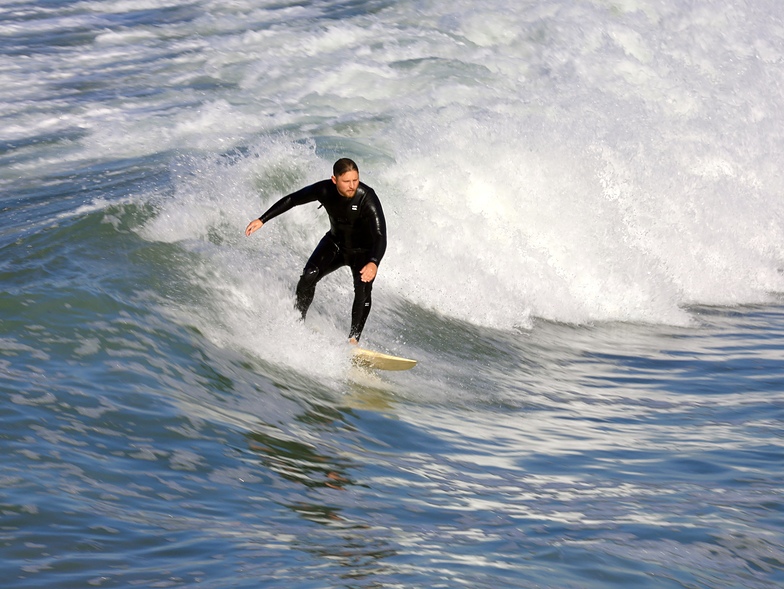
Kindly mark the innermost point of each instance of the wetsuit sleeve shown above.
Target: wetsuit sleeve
(377, 226)
(303, 196)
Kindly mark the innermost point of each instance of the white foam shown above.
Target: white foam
(573, 161)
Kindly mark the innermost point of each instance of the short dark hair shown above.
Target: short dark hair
(344, 165)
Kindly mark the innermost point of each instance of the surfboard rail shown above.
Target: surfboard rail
(379, 361)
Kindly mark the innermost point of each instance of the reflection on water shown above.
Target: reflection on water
(299, 462)
(345, 538)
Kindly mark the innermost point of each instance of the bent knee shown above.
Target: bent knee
(310, 275)
(310, 271)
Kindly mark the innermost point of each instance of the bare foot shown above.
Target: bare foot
(353, 341)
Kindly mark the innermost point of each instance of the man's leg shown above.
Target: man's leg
(325, 258)
(362, 303)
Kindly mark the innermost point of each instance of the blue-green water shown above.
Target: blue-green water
(585, 257)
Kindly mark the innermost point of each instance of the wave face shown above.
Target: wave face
(585, 221)
(569, 161)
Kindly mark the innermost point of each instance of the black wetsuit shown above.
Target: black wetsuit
(357, 236)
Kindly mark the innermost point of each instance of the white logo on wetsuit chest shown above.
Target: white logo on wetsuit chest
(354, 207)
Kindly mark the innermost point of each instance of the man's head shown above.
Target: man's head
(345, 175)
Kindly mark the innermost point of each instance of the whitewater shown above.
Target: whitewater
(585, 256)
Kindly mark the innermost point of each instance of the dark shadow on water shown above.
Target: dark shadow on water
(299, 462)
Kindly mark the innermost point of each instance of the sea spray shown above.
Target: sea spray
(576, 162)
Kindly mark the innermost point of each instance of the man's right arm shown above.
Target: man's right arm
(288, 202)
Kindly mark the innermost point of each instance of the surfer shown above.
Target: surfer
(357, 237)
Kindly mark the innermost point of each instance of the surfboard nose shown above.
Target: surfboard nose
(377, 360)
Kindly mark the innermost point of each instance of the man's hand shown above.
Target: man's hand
(254, 225)
(369, 271)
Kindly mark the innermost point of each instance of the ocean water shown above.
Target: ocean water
(586, 256)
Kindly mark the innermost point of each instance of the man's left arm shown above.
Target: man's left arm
(377, 227)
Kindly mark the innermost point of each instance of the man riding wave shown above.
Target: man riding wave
(357, 237)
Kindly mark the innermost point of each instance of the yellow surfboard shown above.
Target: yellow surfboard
(379, 361)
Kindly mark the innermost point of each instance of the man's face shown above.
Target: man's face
(347, 183)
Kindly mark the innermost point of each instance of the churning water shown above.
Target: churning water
(585, 254)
